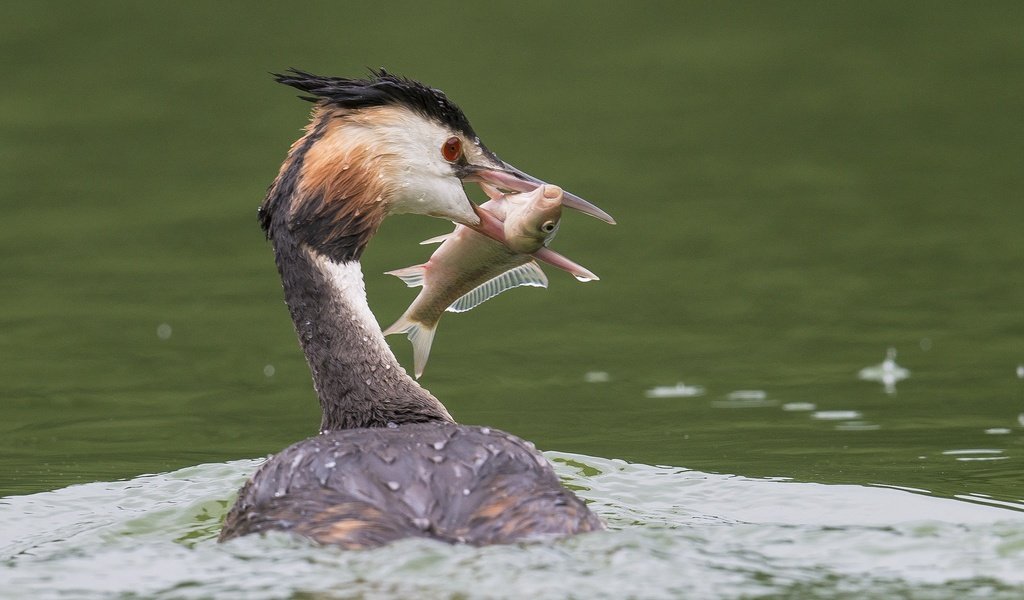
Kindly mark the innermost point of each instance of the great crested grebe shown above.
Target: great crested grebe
(389, 462)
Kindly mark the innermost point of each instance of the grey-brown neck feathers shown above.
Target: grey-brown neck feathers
(317, 242)
(357, 379)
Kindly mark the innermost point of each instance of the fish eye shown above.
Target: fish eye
(451, 150)
(548, 226)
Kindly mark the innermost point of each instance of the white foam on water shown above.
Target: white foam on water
(673, 532)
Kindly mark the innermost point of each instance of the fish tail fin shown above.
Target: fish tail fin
(412, 276)
(420, 334)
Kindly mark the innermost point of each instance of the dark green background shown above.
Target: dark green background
(798, 187)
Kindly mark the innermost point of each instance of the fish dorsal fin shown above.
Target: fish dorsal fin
(436, 239)
(529, 274)
(412, 276)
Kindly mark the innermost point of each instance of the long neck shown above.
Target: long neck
(357, 378)
(318, 237)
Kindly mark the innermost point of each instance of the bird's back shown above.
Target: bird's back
(362, 488)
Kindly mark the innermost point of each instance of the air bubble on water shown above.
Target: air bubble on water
(268, 370)
(976, 454)
(836, 415)
(888, 373)
(857, 426)
(596, 377)
(747, 395)
(679, 390)
(745, 399)
(799, 406)
(163, 331)
(1020, 371)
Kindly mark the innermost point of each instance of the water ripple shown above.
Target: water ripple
(672, 532)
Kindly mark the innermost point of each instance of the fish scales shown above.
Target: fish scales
(463, 265)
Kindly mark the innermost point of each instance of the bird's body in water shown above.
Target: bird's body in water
(390, 462)
(362, 488)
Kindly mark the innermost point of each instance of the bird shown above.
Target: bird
(389, 461)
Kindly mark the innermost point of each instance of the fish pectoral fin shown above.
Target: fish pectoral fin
(529, 274)
(412, 276)
(436, 239)
(555, 259)
(421, 337)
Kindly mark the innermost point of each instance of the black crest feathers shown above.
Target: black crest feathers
(381, 89)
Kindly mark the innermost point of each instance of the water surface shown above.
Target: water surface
(799, 188)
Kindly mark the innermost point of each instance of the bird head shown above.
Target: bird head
(380, 146)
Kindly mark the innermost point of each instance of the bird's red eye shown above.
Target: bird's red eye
(452, 149)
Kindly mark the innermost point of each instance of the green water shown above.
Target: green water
(798, 186)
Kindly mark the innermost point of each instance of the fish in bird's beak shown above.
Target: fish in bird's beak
(498, 175)
(531, 219)
(467, 269)
(504, 176)
(494, 228)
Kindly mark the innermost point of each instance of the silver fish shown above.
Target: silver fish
(470, 268)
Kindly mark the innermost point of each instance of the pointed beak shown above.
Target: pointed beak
(508, 177)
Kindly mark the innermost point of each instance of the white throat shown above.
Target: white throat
(347, 286)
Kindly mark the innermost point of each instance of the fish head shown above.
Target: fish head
(532, 218)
